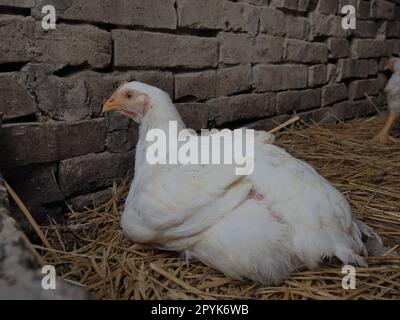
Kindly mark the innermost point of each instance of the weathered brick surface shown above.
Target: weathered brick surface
(201, 85)
(393, 29)
(383, 9)
(17, 39)
(257, 2)
(268, 49)
(74, 45)
(354, 68)
(14, 97)
(149, 13)
(285, 4)
(195, 115)
(317, 75)
(64, 99)
(298, 28)
(280, 77)
(331, 72)
(305, 52)
(397, 12)
(358, 108)
(394, 46)
(242, 107)
(303, 5)
(93, 172)
(222, 15)
(275, 22)
(242, 48)
(233, 80)
(343, 3)
(327, 26)
(369, 48)
(163, 80)
(338, 48)
(366, 29)
(272, 21)
(328, 6)
(18, 3)
(81, 96)
(163, 50)
(359, 88)
(236, 48)
(208, 84)
(372, 67)
(363, 9)
(35, 184)
(333, 93)
(122, 140)
(298, 100)
(28, 143)
(24, 40)
(116, 121)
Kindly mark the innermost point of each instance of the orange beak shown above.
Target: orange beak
(112, 105)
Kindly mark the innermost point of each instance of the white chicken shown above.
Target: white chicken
(282, 218)
(392, 91)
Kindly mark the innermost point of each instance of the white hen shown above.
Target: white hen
(281, 218)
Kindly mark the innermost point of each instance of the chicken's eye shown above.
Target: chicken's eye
(129, 95)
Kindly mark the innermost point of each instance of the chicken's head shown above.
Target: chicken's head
(392, 64)
(129, 101)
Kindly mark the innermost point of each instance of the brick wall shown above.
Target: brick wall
(225, 63)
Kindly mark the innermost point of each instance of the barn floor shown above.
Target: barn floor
(91, 251)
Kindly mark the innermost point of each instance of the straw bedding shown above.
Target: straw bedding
(89, 250)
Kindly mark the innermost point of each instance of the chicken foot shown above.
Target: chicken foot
(384, 136)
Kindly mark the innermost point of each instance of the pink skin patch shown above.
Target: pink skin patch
(276, 217)
(254, 195)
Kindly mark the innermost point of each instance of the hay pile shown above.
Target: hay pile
(90, 250)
